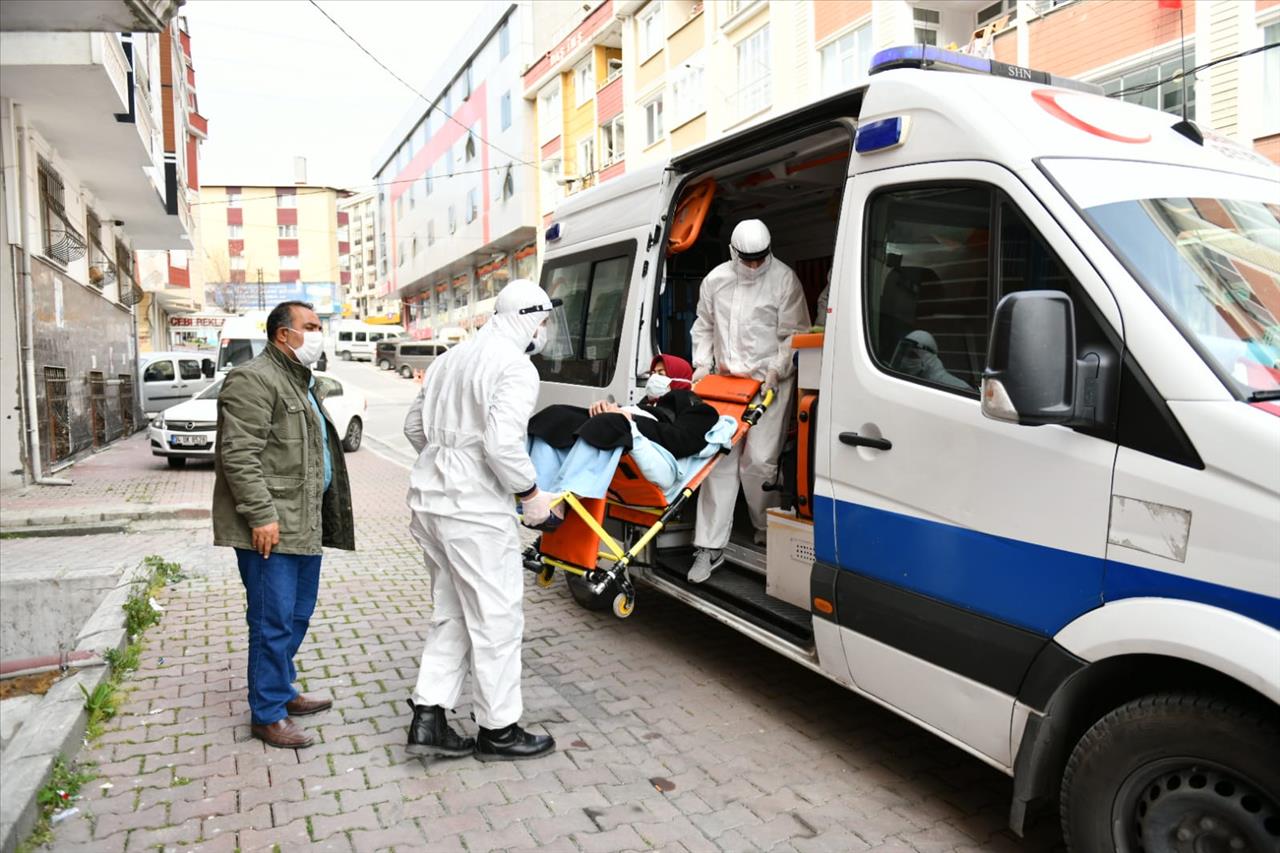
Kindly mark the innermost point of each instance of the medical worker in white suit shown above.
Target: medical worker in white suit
(748, 309)
(469, 427)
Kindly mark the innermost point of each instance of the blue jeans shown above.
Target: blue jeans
(281, 592)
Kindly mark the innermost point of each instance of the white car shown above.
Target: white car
(189, 430)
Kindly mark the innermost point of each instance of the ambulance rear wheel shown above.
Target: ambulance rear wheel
(1175, 772)
(581, 592)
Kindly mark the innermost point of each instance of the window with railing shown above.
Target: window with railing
(612, 142)
(755, 73)
(62, 242)
(101, 270)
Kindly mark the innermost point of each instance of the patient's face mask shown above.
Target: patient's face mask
(657, 386)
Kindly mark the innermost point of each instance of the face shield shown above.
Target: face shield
(551, 339)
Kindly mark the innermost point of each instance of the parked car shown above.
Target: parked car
(170, 378)
(384, 353)
(189, 430)
(415, 355)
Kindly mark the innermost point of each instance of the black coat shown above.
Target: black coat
(681, 423)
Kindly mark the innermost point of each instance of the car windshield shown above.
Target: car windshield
(1213, 266)
(210, 393)
(237, 351)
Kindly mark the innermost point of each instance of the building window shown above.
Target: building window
(1159, 86)
(237, 263)
(509, 184)
(412, 194)
(431, 232)
(688, 95)
(612, 142)
(846, 60)
(286, 198)
(653, 131)
(233, 197)
(473, 204)
(586, 159)
(927, 24)
(399, 208)
(286, 230)
(400, 256)
(61, 241)
(469, 147)
(426, 183)
(504, 110)
(466, 82)
(504, 39)
(235, 232)
(288, 262)
(550, 115)
(453, 219)
(413, 243)
(614, 66)
(651, 30)
(755, 73)
(997, 10)
(100, 271)
(583, 81)
(1270, 81)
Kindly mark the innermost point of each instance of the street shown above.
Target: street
(674, 732)
(389, 396)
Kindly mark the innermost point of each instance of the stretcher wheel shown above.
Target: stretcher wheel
(622, 608)
(546, 577)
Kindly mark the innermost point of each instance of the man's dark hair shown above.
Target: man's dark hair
(281, 317)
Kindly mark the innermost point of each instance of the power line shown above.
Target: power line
(430, 103)
(1146, 87)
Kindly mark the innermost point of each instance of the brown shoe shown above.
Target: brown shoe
(284, 734)
(301, 706)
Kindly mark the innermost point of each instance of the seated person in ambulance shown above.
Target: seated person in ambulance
(749, 307)
(917, 355)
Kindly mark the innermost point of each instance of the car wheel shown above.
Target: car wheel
(345, 355)
(355, 432)
(177, 461)
(384, 365)
(1173, 772)
(406, 371)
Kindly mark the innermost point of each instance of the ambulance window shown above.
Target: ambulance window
(593, 288)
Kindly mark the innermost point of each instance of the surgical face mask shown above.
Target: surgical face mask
(746, 273)
(539, 342)
(657, 386)
(312, 346)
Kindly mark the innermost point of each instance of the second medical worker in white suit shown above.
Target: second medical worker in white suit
(748, 309)
(469, 427)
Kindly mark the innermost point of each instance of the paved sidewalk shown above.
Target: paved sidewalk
(675, 733)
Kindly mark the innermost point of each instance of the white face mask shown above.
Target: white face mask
(312, 346)
(539, 342)
(746, 273)
(657, 386)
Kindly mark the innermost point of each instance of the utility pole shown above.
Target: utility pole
(262, 297)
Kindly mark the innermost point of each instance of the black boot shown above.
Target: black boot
(512, 744)
(430, 733)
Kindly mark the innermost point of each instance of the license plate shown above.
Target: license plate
(188, 440)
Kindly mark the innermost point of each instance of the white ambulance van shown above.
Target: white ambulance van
(1058, 548)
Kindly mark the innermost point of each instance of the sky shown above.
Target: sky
(277, 80)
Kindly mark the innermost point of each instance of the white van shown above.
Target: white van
(1067, 561)
(241, 339)
(356, 340)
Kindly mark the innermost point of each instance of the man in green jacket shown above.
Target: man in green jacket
(281, 493)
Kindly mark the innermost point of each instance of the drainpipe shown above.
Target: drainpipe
(28, 309)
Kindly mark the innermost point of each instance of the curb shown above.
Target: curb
(31, 522)
(57, 726)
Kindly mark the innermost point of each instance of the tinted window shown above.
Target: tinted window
(190, 369)
(376, 336)
(210, 393)
(239, 351)
(344, 336)
(414, 349)
(159, 371)
(593, 288)
(360, 336)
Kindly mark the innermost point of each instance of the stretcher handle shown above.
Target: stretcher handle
(752, 415)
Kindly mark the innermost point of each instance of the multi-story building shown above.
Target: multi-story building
(260, 245)
(172, 286)
(457, 190)
(363, 295)
(85, 187)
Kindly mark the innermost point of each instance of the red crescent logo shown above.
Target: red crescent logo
(1048, 100)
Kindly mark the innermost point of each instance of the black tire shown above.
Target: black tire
(177, 461)
(355, 432)
(345, 355)
(581, 592)
(1174, 772)
(406, 371)
(384, 365)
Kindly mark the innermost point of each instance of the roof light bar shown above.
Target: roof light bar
(936, 59)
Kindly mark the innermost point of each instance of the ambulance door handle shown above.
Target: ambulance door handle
(854, 440)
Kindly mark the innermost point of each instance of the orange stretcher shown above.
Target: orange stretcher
(576, 545)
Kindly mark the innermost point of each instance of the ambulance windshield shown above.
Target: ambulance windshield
(1213, 266)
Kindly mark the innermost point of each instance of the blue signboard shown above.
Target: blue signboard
(236, 297)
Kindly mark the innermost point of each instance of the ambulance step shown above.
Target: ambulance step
(741, 551)
(742, 593)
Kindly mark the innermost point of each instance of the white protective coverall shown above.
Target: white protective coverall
(469, 427)
(746, 318)
(917, 355)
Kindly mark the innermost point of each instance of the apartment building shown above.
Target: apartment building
(260, 245)
(457, 188)
(86, 185)
(362, 299)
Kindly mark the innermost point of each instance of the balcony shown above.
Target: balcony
(121, 16)
(78, 91)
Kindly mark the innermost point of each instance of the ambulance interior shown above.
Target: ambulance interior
(796, 190)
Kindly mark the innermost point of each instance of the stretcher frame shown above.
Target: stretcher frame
(619, 557)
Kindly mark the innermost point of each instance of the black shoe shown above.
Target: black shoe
(512, 744)
(430, 733)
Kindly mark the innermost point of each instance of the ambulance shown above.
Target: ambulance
(1057, 544)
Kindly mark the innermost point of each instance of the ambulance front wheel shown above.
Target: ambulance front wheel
(546, 577)
(1173, 772)
(623, 606)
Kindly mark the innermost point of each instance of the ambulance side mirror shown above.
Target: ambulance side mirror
(1030, 377)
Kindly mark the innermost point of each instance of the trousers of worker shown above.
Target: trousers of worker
(477, 622)
(751, 464)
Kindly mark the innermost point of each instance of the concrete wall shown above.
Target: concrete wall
(11, 465)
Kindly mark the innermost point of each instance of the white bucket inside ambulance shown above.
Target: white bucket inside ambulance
(1064, 555)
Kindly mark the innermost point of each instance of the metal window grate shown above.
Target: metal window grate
(57, 412)
(98, 406)
(125, 391)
